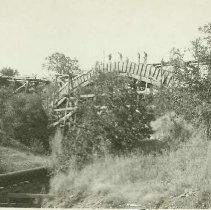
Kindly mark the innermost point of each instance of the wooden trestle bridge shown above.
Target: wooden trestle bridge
(23, 84)
(150, 75)
(64, 103)
(13, 186)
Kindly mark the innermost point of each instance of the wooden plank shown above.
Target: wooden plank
(29, 195)
(64, 109)
(62, 88)
(19, 205)
(24, 79)
(87, 96)
(61, 101)
(137, 69)
(61, 75)
(22, 86)
(63, 118)
(23, 175)
(130, 67)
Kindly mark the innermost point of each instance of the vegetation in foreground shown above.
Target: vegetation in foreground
(102, 160)
(179, 179)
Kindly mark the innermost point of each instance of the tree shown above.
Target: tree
(7, 71)
(189, 96)
(61, 64)
(25, 120)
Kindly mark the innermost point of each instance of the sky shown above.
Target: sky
(89, 30)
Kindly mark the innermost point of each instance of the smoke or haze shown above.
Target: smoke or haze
(56, 145)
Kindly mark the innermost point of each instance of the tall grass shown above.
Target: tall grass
(144, 180)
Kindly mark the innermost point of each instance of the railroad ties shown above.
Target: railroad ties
(26, 188)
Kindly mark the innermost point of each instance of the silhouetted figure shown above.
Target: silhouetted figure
(109, 57)
(139, 57)
(120, 56)
(145, 57)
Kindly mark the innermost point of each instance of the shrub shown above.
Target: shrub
(172, 130)
(24, 119)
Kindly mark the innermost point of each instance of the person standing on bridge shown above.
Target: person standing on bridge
(120, 56)
(139, 57)
(145, 58)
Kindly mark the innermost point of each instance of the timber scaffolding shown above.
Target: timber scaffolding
(23, 84)
(64, 100)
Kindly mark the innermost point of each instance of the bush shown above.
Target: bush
(24, 119)
(172, 130)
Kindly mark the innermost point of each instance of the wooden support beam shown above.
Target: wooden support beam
(24, 175)
(61, 101)
(63, 109)
(19, 205)
(63, 118)
(22, 79)
(22, 86)
(87, 96)
(61, 75)
(29, 195)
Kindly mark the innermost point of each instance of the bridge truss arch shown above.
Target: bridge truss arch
(155, 75)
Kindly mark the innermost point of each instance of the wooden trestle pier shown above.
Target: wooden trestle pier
(23, 84)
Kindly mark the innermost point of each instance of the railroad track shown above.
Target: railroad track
(26, 188)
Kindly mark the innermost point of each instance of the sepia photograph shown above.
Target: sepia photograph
(105, 104)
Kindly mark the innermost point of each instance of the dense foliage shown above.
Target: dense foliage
(23, 118)
(7, 71)
(189, 95)
(115, 122)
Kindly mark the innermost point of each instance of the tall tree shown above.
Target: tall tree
(61, 64)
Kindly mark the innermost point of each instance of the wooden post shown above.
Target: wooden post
(145, 58)
(139, 58)
(76, 100)
(161, 72)
(137, 99)
(26, 86)
(68, 97)
(53, 103)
